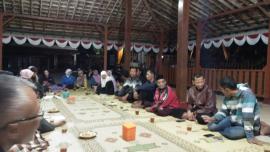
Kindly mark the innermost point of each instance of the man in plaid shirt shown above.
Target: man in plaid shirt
(38, 144)
(239, 116)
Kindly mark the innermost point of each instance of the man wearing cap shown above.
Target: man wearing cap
(165, 100)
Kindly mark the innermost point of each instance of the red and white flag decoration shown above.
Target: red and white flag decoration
(6, 39)
(147, 48)
(110, 45)
(61, 43)
(191, 45)
(155, 48)
(264, 38)
(74, 44)
(97, 44)
(250, 38)
(34, 40)
(20, 40)
(48, 42)
(137, 47)
(86, 44)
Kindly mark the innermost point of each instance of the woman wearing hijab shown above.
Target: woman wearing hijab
(68, 80)
(106, 85)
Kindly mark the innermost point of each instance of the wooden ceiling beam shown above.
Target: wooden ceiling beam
(133, 11)
(46, 19)
(199, 9)
(217, 6)
(234, 11)
(224, 3)
(151, 11)
(106, 8)
(165, 17)
(108, 19)
(31, 7)
(234, 3)
(90, 10)
(203, 3)
(75, 8)
(59, 5)
(66, 12)
(22, 7)
(40, 7)
(245, 2)
(50, 7)
(8, 20)
(145, 23)
(267, 14)
(161, 5)
(13, 6)
(70, 22)
(4, 5)
(82, 11)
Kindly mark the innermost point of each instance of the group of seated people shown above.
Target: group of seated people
(239, 116)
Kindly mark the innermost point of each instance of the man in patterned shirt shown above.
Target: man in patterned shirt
(239, 116)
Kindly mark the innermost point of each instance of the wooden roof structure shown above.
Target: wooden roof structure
(84, 18)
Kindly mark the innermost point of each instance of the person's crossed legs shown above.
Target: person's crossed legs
(225, 128)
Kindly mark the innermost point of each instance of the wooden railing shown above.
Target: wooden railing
(254, 78)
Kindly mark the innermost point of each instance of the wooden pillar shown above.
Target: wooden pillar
(1, 43)
(127, 53)
(182, 49)
(267, 72)
(105, 57)
(159, 66)
(198, 45)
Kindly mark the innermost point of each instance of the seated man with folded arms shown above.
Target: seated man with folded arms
(145, 93)
(201, 100)
(239, 116)
(165, 100)
(20, 112)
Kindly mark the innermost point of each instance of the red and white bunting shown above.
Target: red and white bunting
(86, 44)
(147, 48)
(74, 44)
(61, 43)
(155, 48)
(240, 40)
(48, 42)
(6, 39)
(20, 40)
(97, 44)
(137, 47)
(34, 40)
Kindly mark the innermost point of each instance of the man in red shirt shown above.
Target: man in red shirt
(165, 100)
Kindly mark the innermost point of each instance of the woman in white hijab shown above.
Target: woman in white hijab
(106, 86)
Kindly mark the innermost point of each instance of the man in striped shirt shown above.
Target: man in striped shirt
(239, 116)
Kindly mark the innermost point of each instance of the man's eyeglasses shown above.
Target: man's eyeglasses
(39, 115)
